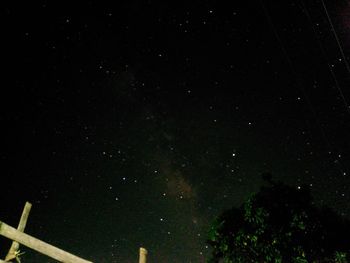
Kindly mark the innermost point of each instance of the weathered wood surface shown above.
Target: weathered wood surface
(38, 245)
(143, 255)
(21, 226)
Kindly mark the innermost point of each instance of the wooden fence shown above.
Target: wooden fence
(19, 237)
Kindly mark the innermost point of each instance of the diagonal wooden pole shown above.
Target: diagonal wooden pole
(21, 226)
(38, 245)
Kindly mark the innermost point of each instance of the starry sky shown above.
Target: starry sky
(136, 123)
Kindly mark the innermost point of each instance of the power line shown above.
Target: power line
(299, 83)
(347, 107)
(336, 37)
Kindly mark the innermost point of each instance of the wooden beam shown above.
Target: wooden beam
(21, 226)
(143, 255)
(38, 245)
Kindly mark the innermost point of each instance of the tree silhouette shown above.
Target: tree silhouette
(280, 224)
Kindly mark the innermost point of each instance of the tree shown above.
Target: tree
(280, 223)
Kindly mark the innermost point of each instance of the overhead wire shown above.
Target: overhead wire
(324, 53)
(336, 37)
(334, 77)
(300, 85)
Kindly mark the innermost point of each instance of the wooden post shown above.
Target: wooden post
(21, 226)
(143, 255)
(38, 245)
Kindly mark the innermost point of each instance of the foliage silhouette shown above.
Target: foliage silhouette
(280, 223)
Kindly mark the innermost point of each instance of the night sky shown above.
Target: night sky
(136, 123)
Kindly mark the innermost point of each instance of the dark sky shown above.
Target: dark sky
(135, 123)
